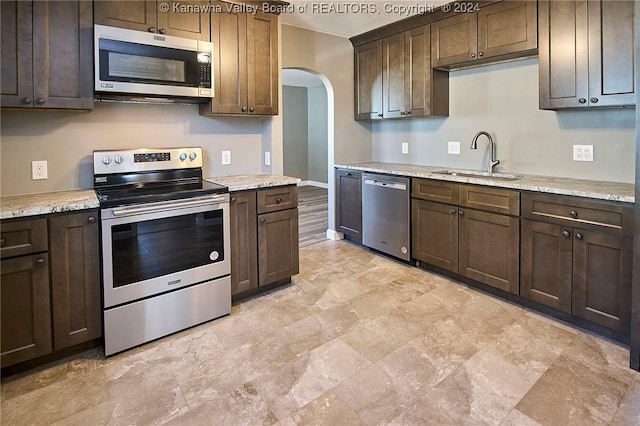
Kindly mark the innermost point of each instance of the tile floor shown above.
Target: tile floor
(356, 339)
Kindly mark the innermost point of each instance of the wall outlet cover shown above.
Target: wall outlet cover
(405, 147)
(226, 157)
(39, 170)
(453, 147)
(583, 153)
(267, 158)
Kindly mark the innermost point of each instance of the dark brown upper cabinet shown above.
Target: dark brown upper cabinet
(246, 63)
(586, 54)
(503, 30)
(47, 55)
(394, 78)
(181, 19)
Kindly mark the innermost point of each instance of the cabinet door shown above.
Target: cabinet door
(368, 84)
(186, 20)
(454, 40)
(229, 37)
(546, 264)
(277, 245)
(26, 309)
(137, 15)
(602, 279)
(63, 54)
(393, 63)
(563, 53)
(75, 278)
(349, 203)
(262, 54)
(611, 35)
(490, 249)
(417, 72)
(435, 234)
(244, 242)
(17, 53)
(507, 27)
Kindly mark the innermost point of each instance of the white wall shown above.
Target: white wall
(66, 140)
(503, 100)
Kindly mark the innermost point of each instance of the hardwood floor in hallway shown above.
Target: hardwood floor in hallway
(312, 215)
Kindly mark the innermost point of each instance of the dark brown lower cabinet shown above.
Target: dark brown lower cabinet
(277, 246)
(435, 234)
(264, 238)
(26, 308)
(244, 242)
(75, 278)
(349, 203)
(584, 273)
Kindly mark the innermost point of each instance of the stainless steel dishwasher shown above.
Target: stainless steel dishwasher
(385, 214)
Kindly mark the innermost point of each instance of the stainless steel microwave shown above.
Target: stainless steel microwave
(153, 65)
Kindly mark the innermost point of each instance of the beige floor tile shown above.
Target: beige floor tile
(629, 411)
(326, 410)
(516, 418)
(570, 393)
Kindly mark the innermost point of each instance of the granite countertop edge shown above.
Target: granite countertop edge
(16, 206)
(610, 191)
(256, 181)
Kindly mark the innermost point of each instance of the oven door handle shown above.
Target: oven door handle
(166, 205)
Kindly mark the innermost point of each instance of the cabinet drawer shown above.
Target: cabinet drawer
(496, 200)
(279, 198)
(23, 237)
(435, 190)
(615, 218)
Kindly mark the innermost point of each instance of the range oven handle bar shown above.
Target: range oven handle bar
(169, 205)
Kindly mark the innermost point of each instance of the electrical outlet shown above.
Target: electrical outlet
(405, 147)
(267, 158)
(583, 153)
(453, 147)
(39, 170)
(226, 157)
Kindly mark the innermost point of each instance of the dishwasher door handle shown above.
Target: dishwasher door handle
(386, 184)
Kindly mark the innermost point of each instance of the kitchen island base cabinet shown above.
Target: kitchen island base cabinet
(264, 239)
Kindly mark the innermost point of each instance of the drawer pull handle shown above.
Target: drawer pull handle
(566, 234)
(40, 262)
(233, 199)
(92, 219)
(3, 242)
(278, 200)
(461, 212)
(262, 219)
(573, 214)
(579, 236)
(348, 174)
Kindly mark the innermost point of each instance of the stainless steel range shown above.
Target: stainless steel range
(165, 244)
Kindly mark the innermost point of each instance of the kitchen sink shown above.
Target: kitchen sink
(480, 175)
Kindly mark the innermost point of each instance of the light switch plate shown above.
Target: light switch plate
(583, 153)
(267, 158)
(39, 170)
(226, 157)
(453, 147)
(405, 147)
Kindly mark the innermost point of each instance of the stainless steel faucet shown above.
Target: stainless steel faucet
(492, 160)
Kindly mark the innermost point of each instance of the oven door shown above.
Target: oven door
(154, 248)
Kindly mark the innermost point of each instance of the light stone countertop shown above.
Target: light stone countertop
(246, 182)
(612, 191)
(47, 202)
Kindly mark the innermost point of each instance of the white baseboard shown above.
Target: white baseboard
(334, 235)
(313, 183)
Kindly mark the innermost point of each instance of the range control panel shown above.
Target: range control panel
(146, 159)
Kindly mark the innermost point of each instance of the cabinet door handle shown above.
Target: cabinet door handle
(278, 200)
(461, 212)
(453, 211)
(579, 236)
(244, 109)
(594, 100)
(348, 174)
(161, 31)
(40, 101)
(152, 29)
(26, 101)
(473, 55)
(380, 115)
(251, 109)
(3, 242)
(233, 199)
(262, 220)
(480, 54)
(408, 112)
(566, 233)
(573, 214)
(40, 262)
(582, 100)
(92, 219)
